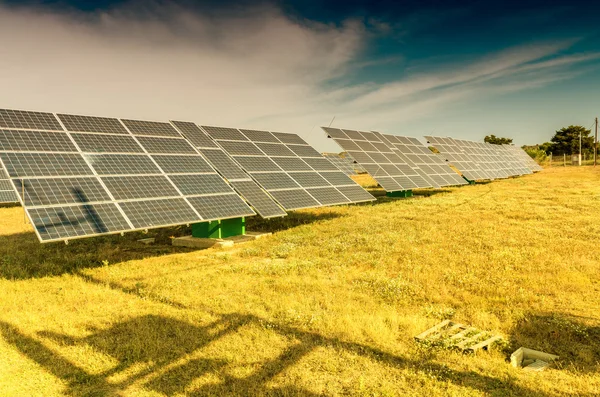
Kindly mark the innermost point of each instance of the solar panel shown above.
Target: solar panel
(155, 128)
(28, 120)
(451, 151)
(372, 151)
(264, 205)
(59, 223)
(76, 123)
(34, 141)
(97, 177)
(429, 165)
(522, 159)
(194, 134)
(281, 163)
(7, 192)
(346, 165)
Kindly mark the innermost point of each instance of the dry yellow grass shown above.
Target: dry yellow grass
(328, 305)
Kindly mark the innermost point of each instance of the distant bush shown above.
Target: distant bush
(537, 154)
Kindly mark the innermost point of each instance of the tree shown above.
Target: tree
(566, 140)
(496, 140)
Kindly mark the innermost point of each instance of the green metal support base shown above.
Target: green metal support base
(470, 181)
(400, 193)
(220, 229)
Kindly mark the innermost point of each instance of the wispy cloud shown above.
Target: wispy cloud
(250, 67)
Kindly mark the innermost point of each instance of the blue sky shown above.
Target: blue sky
(449, 68)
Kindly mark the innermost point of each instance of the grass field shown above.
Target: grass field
(327, 305)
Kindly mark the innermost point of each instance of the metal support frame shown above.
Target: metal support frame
(220, 229)
(468, 180)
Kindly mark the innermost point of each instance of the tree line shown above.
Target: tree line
(564, 142)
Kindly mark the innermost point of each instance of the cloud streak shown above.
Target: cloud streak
(250, 67)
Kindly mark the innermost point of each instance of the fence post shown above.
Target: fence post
(565, 159)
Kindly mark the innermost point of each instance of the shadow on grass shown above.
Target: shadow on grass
(577, 344)
(294, 219)
(23, 257)
(164, 355)
(9, 205)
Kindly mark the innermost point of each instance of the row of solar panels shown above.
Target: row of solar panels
(82, 176)
(403, 163)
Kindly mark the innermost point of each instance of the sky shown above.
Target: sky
(463, 69)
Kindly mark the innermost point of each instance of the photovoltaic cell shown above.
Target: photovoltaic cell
(221, 207)
(230, 134)
(328, 196)
(122, 164)
(60, 191)
(240, 148)
(172, 164)
(275, 180)
(156, 213)
(258, 198)
(140, 186)
(323, 164)
(257, 164)
(355, 193)
(34, 141)
(295, 199)
(77, 123)
(166, 145)
(20, 165)
(285, 137)
(259, 136)
(28, 120)
(104, 143)
(224, 164)
(8, 197)
(292, 164)
(274, 149)
(310, 179)
(139, 127)
(57, 223)
(191, 184)
(194, 134)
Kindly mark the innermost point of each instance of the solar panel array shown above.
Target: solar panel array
(525, 159)
(372, 151)
(227, 167)
(344, 164)
(429, 165)
(451, 150)
(478, 160)
(287, 167)
(103, 175)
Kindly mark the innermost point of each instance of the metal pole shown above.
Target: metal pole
(596, 142)
(579, 147)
